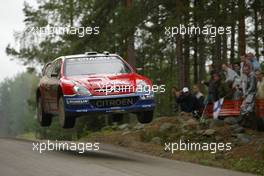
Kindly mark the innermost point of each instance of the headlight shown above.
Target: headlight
(142, 86)
(81, 90)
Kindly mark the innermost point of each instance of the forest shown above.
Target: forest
(146, 33)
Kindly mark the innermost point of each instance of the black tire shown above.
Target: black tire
(44, 119)
(66, 120)
(145, 117)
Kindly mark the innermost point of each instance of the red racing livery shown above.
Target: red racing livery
(76, 85)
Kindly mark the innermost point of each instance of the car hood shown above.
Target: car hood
(102, 84)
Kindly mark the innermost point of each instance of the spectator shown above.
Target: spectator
(236, 68)
(254, 61)
(243, 77)
(234, 82)
(260, 84)
(231, 76)
(248, 118)
(219, 88)
(212, 69)
(188, 103)
(209, 83)
(199, 96)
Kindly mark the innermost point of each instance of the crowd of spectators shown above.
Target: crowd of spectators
(237, 81)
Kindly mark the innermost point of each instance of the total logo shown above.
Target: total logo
(119, 82)
(113, 83)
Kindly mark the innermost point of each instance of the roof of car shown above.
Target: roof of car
(86, 55)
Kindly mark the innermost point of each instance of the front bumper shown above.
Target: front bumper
(109, 104)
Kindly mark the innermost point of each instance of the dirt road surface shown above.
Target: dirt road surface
(18, 159)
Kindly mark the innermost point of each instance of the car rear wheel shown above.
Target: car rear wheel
(66, 120)
(43, 118)
(145, 117)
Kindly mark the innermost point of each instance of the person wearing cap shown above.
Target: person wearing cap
(185, 90)
(188, 102)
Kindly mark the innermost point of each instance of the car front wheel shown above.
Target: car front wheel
(145, 116)
(66, 120)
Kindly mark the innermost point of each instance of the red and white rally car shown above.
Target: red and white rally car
(92, 83)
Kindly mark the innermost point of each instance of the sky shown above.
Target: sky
(11, 18)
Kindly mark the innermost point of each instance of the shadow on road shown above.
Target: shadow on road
(101, 154)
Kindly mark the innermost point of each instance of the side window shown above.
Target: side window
(56, 67)
(48, 70)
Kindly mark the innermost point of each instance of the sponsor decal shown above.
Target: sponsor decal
(114, 102)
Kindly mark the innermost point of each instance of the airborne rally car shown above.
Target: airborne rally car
(75, 85)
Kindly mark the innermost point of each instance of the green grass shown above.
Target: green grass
(249, 165)
(28, 136)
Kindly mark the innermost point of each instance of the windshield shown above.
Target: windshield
(95, 65)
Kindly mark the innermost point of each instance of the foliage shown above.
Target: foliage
(16, 115)
(177, 60)
(249, 165)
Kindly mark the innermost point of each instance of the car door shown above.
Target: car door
(54, 84)
(44, 88)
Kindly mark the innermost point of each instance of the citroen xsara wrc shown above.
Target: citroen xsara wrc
(76, 85)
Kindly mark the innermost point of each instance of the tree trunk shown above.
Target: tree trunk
(195, 44)
(233, 32)
(180, 62)
(186, 5)
(217, 52)
(256, 36)
(187, 61)
(131, 56)
(262, 22)
(202, 59)
(241, 29)
(195, 60)
(224, 48)
(200, 44)
(179, 46)
(71, 12)
(232, 47)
